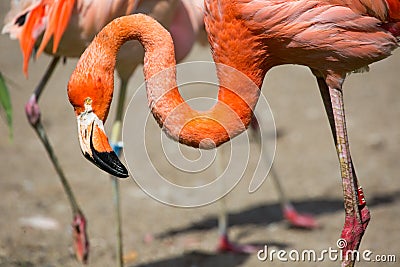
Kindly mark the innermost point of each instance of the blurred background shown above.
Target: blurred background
(155, 234)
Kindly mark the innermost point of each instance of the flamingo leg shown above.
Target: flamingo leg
(357, 214)
(32, 110)
(224, 244)
(117, 146)
(289, 212)
(295, 218)
(117, 208)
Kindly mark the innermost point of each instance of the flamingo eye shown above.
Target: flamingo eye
(88, 105)
(88, 101)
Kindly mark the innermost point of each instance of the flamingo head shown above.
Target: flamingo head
(90, 91)
(94, 142)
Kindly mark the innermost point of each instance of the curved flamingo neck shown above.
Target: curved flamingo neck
(94, 76)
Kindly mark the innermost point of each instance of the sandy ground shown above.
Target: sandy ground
(161, 235)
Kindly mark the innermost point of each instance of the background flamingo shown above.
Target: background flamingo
(294, 218)
(284, 37)
(73, 24)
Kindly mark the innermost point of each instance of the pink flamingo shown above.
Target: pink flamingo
(333, 38)
(73, 24)
(26, 22)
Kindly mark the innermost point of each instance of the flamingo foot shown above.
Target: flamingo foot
(299, 220)
(352, 234)
(225, 245)
(32, 110)
(81, 241)
(353, 230)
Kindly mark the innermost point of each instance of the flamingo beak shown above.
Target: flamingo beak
(95, 146)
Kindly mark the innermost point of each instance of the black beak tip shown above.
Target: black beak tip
(109, 162)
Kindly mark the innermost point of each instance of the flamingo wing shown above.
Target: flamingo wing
(26, 26)
(50, 17)
(29, 19)
(59, 14)
(384, 10)
(346, 40)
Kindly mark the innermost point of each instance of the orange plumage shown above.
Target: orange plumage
(394, 9)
